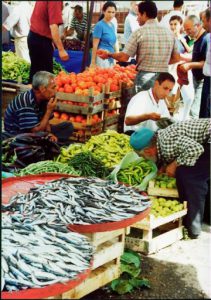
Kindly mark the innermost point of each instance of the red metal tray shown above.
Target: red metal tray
(48, 291)
(10, 187)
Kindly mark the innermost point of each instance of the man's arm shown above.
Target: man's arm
(44, 123)
(192, 65)
(57, 41)
(119, 56)
(133, 120)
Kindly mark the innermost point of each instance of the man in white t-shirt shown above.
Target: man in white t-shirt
(147, 107)
(177, 11)
(18, 23)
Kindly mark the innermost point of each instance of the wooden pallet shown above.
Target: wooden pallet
(152, 234)
(163, 192)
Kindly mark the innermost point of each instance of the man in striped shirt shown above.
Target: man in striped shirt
(31, 111)
(184, 147)
(154, 47)
(78, 23)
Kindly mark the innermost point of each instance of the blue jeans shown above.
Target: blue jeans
(145, 80)
(195, 108)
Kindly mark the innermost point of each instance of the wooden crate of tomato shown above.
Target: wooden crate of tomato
(84, 125)
(79, 104)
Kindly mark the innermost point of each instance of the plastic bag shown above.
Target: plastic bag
(126, 161)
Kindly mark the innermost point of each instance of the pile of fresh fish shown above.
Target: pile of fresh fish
(77, 201)
(37, 256)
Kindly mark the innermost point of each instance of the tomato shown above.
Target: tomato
(78, 119)
(83, 122)
(114, 87)
(64, 116)
(56, 114)
(68, 88)
(72, 119)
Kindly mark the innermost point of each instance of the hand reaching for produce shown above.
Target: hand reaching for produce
(104, 54)
(63, 55)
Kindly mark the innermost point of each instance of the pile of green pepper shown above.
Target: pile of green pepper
(135, 172)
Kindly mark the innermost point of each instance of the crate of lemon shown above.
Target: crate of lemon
(163, 186)
(160, 229)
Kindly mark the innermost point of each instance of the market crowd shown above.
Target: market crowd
(171, 56)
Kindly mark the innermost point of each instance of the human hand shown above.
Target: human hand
(63, 55)
(154, 116)
(185, 67)
(171, 168)
(102, 53)
(51, 104)
(52, 138)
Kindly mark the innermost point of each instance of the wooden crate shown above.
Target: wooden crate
(113, 103)
(109, 246)
(152, 234)
(163, 192)
(9, 92)
(111, 95)
(81, 132)
(98, 278)
(94, 104)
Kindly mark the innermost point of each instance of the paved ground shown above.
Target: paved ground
(180, 271)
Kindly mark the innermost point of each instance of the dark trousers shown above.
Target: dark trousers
(63, 131)
(192, 184)
(205, 99)
(41, 53)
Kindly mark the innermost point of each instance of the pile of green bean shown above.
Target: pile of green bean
(47, 166)
(135, 172)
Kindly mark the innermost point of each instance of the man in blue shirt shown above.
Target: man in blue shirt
(195, 30)
(31, 111)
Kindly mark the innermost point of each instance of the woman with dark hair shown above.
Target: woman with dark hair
(104, 36)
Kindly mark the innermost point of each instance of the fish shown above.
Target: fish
(50, 254)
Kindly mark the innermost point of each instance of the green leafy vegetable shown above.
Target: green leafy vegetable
(130, 272)
(131, 257)
(130, 269)
(16, 68)
(121, 286)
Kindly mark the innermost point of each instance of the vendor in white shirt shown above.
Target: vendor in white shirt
(147, 107)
